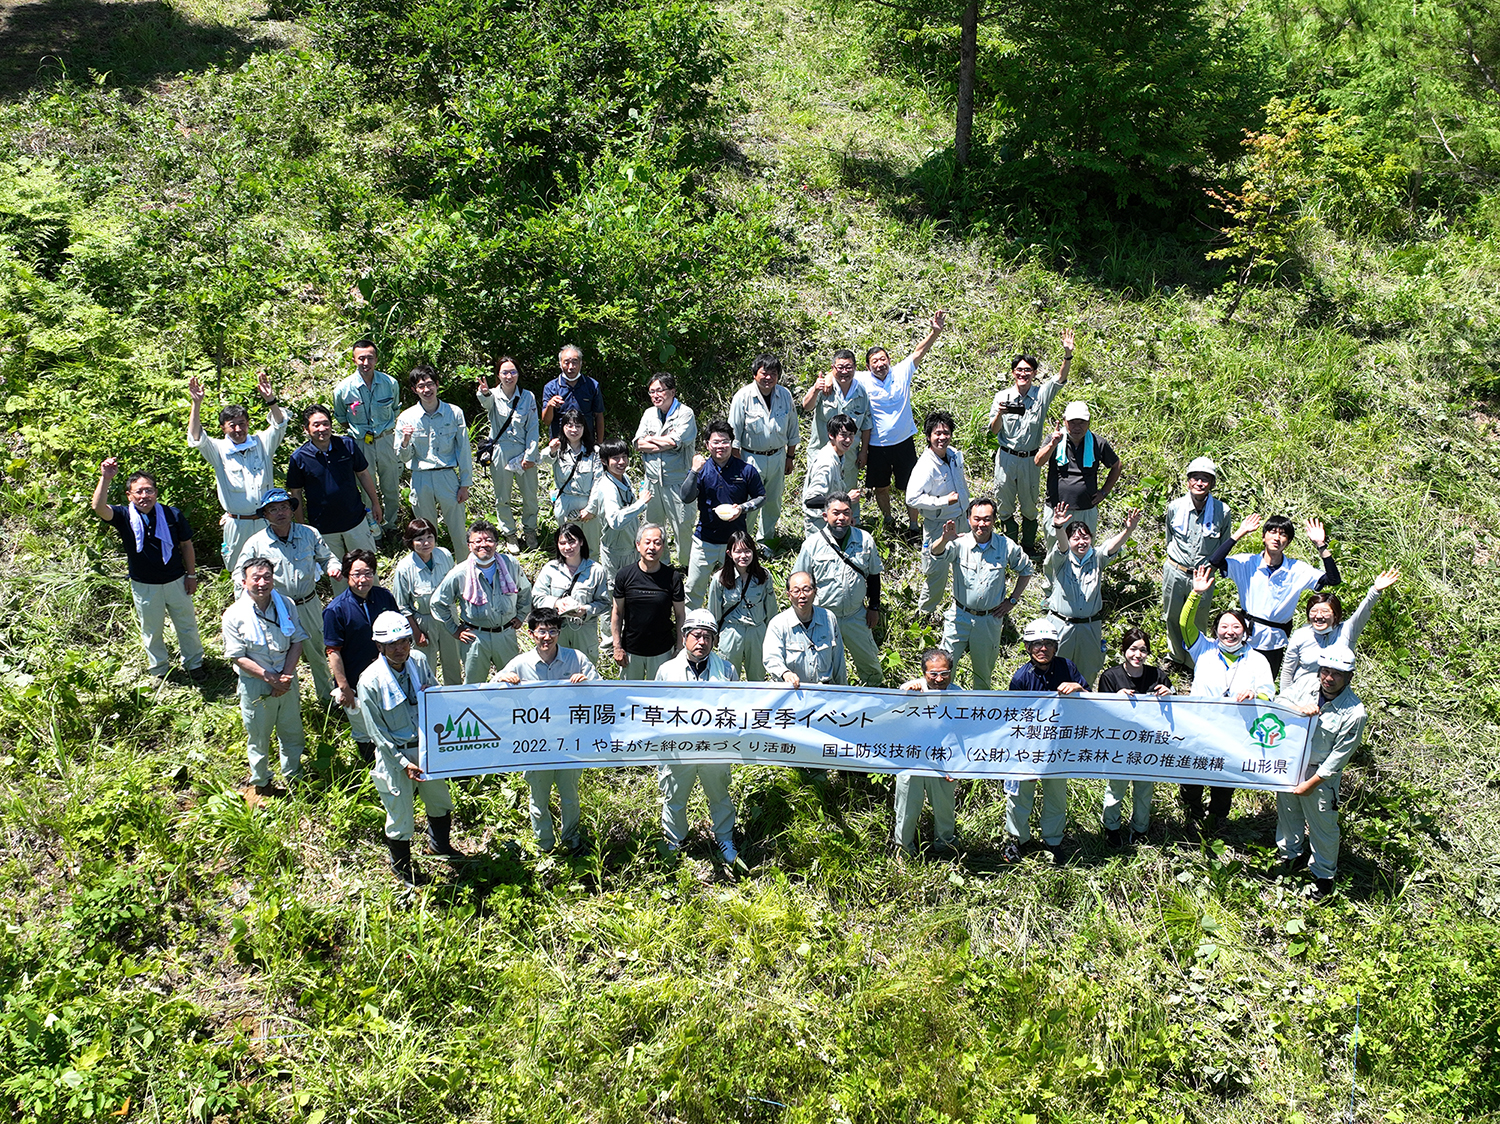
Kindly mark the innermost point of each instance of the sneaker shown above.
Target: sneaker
(512, 546)
(1057, 851)
(1114, 837)
(197, 674)
(1010, 853)
(1322, 888)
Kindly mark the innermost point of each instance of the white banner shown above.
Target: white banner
(493, 728)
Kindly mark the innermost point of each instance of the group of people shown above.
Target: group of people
(715, 613)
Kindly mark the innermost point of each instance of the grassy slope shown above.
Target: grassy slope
(223, 960)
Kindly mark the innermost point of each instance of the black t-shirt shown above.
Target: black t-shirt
(1074, 484)
(1118, 679)
(329, 483)
(146, 565)
(649, 628)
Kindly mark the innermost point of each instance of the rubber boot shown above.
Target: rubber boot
(1009, 529)
(438, 836)
(366, 751)
(401, 864)
(1028, 537)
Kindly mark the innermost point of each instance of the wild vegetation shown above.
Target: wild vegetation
(674, 185)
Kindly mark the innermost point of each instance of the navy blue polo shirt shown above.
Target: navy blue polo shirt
(348, 624)
(583, 396)
(329, 485)
(737, 482)
(1029, 677)
(146, 565)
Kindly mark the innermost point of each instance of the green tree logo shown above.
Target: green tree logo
(1268, 730)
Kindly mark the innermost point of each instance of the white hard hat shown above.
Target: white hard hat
(1040, 629)
(1205, 466)
(700, 618)
(1076, 411)
(1337, 657)
(390, 627)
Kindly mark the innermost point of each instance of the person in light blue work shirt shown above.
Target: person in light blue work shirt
(981, 562)
(514, 455)
(366, 404)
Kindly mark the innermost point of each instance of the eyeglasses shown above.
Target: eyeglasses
(546, 632)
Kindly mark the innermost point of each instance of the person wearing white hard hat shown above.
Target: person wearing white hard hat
(388, 691)
(1045, 671)
(1311, 809)
(1197, 525)
(550, 663)
(301, 557)
(915, 785)
(263, 638)
(1224, 667)
(1073, 466)
(698, 663)
(1018, 417)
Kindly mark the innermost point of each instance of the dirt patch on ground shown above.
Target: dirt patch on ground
(128, 42)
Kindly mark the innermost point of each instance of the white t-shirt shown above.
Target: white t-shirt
(891, 402)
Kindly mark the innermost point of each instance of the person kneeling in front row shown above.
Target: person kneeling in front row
(387, 692)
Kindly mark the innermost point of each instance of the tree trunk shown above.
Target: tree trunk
(968, 51)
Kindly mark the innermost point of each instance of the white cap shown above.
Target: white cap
(1337, 657)
(1076, 411)
(1040, 629)
(700, 618)
(390, 627)
(1205, 466)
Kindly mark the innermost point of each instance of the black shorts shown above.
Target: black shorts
(888, 462)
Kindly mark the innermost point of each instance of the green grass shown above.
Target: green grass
(209, 961)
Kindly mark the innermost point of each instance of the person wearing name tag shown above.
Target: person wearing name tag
(513, 451)
(846, 568)
(388, 691)
(1270, 584)
(1225, 666)
(577, 587)
(574, 466)
(413, 583)
(482, 601)
(366, 404)
(263, 638)
(742, 599)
